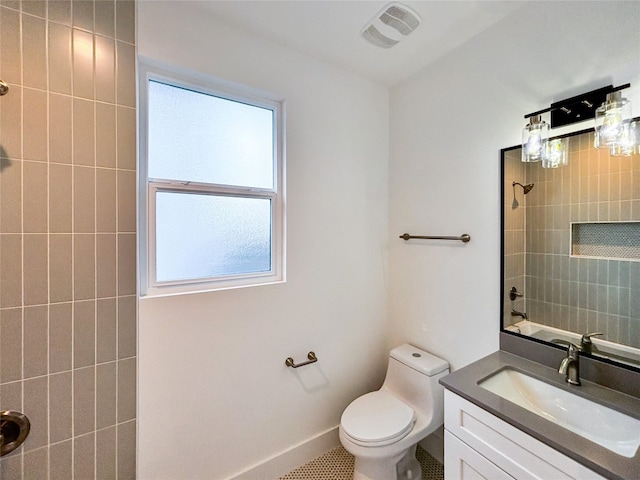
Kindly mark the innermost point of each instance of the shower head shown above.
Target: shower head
(527, 188)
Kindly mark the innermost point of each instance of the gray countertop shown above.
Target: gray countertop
(465, 382)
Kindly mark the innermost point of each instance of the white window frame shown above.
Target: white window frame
(148, 187)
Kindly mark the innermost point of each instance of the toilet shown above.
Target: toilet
(382, 429)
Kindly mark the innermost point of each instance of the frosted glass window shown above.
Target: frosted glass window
(200, 236)
(197, 137)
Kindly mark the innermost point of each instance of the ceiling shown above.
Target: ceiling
(330, 30)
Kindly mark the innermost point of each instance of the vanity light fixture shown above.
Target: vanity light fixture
(613, 126)
(612, 118)
(534, 139)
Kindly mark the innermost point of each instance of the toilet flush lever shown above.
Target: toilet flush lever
(311, 356)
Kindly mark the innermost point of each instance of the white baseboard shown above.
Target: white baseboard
(296, 456)
(434, 444)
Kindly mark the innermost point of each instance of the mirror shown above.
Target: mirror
(571, 251)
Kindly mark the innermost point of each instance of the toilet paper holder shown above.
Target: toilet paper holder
(311, 356)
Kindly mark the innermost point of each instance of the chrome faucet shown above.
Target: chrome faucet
(570, 365)
(586, 345)
(515, 313)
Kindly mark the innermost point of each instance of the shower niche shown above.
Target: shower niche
(571, 248)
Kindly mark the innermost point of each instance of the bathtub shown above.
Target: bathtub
(603, 348)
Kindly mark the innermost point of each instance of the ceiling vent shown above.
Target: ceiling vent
(393, 23)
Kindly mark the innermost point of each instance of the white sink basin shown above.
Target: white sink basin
(613, 430)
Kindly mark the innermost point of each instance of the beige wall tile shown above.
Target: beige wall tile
(125, 21)
(106, 454)
(105, 135)
(60, 406)
(126, 201)
(10, 124)
(84, 267)
(11, 394)
(127, 327)
(35, 265)
(35, 197)
(106, 265)
(105, 17)
(105, 69)
(60, 337)
(60, 268)
(60, 71)
(106, 200)
(125, 58)
(82, 14)
(84, 397)
(35, 124)
(10, 58)
(83, 132)
(84, 457)
(60, 128)
(106, 327)
(36, 341)
(36, 407)
(34, 58)
(60, 12)
(11, 197)
(106, 387)
(61, 460)
(10, 345)
(84, 333)
(36, 462)
(84, 203)
(60, 198)
(127, 451)
(126, 264)
(126, 128)
(126, 389)
(35, 7)
(11, 467)
(83, 64)
(10, 270)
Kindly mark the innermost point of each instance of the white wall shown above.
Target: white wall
(214, 394)
(448, 124)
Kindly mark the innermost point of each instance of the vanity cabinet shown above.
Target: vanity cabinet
(479, 445)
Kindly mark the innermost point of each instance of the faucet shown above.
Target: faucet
(515, 313)
(570, 365)
(586, 345)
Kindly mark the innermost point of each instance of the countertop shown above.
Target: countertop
(464, 382)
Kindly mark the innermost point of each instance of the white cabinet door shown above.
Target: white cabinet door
(461, 462)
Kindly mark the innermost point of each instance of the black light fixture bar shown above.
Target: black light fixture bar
(579, 108)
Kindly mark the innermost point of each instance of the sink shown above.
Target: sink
(608, 428)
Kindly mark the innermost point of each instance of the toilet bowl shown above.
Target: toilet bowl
(382, 429)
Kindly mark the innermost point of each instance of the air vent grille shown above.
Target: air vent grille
(393, 23)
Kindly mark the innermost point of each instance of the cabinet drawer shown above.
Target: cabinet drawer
(514, 451)
(463, 463)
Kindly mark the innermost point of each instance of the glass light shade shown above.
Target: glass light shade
(630, 141)
(534, 140)
(610, 118)
(557, 153)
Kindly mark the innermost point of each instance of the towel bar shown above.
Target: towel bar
(311, 356)
(464, 238)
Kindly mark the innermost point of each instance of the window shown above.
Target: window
(211, 186)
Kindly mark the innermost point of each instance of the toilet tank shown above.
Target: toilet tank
(413, 374)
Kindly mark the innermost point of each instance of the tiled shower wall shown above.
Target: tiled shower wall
(582, 294)
(514, 247)
(67, 236)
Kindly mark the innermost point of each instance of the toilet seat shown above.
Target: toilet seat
(377, 418)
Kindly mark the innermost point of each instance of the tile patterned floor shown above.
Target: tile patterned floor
(337, 464)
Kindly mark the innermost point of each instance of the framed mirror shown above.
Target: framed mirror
(571, 251)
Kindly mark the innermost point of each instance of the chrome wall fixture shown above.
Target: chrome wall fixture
(4, 88)
(464, 238)
(14, 429)
(289, 362)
